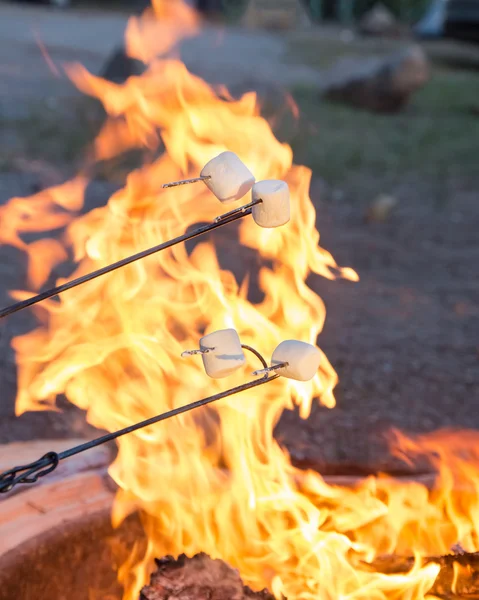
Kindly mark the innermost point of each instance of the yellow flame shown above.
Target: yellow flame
(215, 480)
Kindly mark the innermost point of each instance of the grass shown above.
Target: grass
(62, 139)
(54, 136)
(438, 133)
(435, 140)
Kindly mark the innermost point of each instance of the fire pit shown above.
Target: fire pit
(57, 542)
(56, 538)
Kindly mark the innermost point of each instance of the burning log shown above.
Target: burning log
(197, 578)
(458, 577)
(202, 578)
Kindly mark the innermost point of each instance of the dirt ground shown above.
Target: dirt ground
(404, 340)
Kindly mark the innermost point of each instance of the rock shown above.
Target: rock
(379, 21)
(380, 208)
(275, 15)
(382, 85)
(120, 66)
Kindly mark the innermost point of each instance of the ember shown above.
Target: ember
(197, 578)
(201, 578)
(458, 576)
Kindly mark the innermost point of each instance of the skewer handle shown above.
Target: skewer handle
(30, 473)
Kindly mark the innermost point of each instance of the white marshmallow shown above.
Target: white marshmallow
(303, 360)
(230, 179)
(274, 209)
(227, 355)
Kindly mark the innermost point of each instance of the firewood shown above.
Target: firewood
(197, 578)
(447, 585)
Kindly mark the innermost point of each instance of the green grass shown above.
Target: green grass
(57, 137)
(321, 49)
(63, 139)
(436, 138)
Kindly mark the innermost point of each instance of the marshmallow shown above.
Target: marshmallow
(227, 355)
(274, 209)
(230, 179)
(303, 360)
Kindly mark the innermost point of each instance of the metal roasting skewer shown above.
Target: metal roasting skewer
(47, 463)
(229, 217)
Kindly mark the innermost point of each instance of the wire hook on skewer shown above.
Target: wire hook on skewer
(46, 464)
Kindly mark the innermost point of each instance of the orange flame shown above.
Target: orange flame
(216, 480)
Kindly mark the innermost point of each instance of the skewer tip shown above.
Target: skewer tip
(186, 181)
(193, 352)
(268, 370)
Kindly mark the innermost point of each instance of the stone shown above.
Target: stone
(119, 66)
(381, 208)
(276, 15)
(379, 21)
(382, 85)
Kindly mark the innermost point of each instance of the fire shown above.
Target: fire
(215, 480)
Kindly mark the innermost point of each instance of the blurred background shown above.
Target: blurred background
(381, 101)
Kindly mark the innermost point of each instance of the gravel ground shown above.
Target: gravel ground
(404, 340)
(29, 32)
